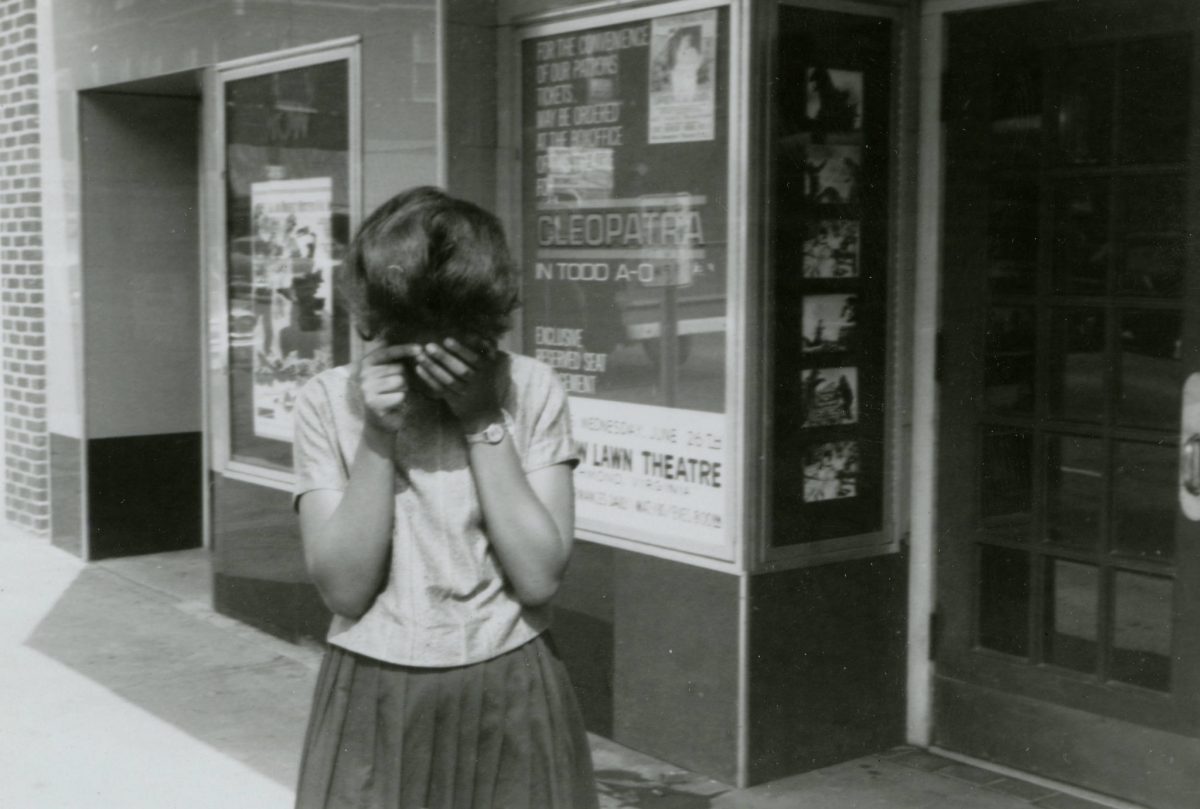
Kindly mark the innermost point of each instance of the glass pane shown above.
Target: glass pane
(1013, 234)
(1084, 105)
(1009, 367)
(1145, 501)
(1154, 100)
(1004, 600)
(1078, 363)
(1151, 370)
(1075, 489)
(1016, 109)
(288, 222)
(1081, 237)
(1006, 482)
(1072, 614)
(1142, 630)
(1152, 258)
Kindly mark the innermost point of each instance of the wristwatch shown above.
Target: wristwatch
(491, 434)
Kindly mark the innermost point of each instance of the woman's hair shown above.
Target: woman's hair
(426, 262)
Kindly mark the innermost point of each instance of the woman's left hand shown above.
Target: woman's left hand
(462, 376)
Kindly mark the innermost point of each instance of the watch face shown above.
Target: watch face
(494, 434)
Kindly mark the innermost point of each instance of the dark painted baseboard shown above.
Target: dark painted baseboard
(827, 664)
(144, 494)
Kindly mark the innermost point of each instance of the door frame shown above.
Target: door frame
(922, 579)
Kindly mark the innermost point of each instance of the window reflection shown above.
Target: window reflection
(1075, 490)
(1008, 376)
(1142, 626)
(1084, 109)
(1154, 100)
(1151, 370)
(1145, 477)
(1081, 242)
(1004, 600)
(1078, 363)
(1072, 614)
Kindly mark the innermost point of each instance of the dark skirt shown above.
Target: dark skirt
(502, 734)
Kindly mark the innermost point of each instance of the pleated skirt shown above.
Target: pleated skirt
(506, 733)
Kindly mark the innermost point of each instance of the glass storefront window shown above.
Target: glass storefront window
(625, 233)
(287, 224)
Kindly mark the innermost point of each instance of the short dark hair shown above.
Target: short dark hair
(426, 261)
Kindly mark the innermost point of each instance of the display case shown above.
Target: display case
(630, 217)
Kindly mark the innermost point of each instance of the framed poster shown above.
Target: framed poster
(625, 261)
(289, 159)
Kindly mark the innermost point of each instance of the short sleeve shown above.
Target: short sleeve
(315, 456)
(551, 442)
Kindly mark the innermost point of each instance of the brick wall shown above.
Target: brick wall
(22, 321)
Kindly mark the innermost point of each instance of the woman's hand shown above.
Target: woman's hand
(462, 376)
(380, 379)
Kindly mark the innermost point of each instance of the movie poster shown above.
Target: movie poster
(830, 396)
(683, 65)
(831, 471)
(831, 249)
(292, 271)
(828, 323)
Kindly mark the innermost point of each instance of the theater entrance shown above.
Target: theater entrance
(1067, 638)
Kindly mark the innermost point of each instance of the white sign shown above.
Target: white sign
(650, 472)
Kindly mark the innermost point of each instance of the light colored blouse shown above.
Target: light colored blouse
(446, 601)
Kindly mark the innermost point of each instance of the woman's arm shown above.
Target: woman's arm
(530, 518)
(347, 535)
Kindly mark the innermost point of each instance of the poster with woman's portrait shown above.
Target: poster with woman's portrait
(828, 323)
(831, 249)
(833, 100)
(830, 396)
(831, 471)
(683, 64)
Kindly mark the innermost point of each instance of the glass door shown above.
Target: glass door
(1067, 597)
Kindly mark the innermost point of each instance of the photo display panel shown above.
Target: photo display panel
(625, 211)
(831, 103)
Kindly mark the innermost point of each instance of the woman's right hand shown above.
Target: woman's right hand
(384, 390)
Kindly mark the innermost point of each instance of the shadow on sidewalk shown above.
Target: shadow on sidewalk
(222, 688)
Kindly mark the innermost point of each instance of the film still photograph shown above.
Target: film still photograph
(831, 249)
(828, 323)
(830, 396)
(831, 471)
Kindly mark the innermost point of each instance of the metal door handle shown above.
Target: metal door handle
(1191, 465)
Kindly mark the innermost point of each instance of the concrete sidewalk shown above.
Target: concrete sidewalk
(121, 688)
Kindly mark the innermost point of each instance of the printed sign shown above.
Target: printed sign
(625, 231)
(292, 276)
(649, 470)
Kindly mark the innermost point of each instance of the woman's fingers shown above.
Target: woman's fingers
(442, 359)
(388, 354)
(465, 353)
(435, 385)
